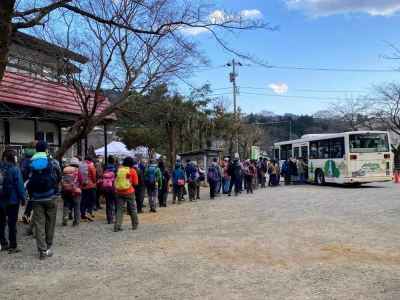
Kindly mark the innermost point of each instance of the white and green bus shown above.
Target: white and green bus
(345, 158)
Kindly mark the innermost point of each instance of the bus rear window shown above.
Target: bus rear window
(369, 143)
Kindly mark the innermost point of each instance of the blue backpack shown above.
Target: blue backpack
(213, 174)
(43, 181)
(151, 175)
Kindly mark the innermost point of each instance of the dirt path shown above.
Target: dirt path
(301, 242)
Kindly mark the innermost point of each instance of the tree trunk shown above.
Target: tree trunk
(77, 132)
(6, 30)
(171, 132)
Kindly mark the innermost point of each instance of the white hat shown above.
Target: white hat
(74, 161)
(236, 155)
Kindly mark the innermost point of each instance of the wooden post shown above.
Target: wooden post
(86, 146)
(105, 145)
(7, 138)
(35, 130)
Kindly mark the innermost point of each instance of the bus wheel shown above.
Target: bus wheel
(319, 177)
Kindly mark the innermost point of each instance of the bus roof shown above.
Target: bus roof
(325, 136)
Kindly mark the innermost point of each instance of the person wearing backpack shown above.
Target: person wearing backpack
(163, 190)
(71, 192)
(12, 195)
(235, 172)
(153, 181)
(43, 189)
(25, 167)
(88, 183)
(108, 189)
(192, 175)
(140, 188)
(125, 183)
(178, 182)
(213, 177)
(249, 173)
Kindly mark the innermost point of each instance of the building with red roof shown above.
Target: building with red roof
(34, 103)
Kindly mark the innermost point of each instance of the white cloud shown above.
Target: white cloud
(332, 7)
(193, 30)
(279, 88)
(219, 16)
(251, 14)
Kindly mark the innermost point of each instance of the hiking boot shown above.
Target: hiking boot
(4, 246)
(49, 252)
(42, 255)
(75, 224)
(13, 250)
(117, 229)
(64, 222)
(70, 217)
(90, 218)
(153, 210)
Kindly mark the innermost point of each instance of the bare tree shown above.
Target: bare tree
(131, 46)
(387, 106)
(355, 113)
(139, 17)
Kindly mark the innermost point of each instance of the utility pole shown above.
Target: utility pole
(232, 78)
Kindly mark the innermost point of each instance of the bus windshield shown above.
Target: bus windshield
(369, 143)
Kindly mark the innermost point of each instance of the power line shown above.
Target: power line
(325, 69)
(298, 90)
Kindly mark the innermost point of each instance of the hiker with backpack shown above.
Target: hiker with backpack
(153, 182)
(125, 183)
(12, 195)
(213, 177)
(178, 182)
(25, 167)
(140, 188)
(235, 172)
(71, 192)
(163, 190)
(249, 173)
(192, 175)
(108, 189)
(43, 188)
(88, 184)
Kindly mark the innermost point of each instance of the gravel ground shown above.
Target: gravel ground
(297, 242)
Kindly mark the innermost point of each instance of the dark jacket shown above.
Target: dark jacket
(15, 185)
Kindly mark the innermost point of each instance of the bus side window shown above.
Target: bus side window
(314, 150)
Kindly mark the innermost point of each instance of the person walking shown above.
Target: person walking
(293, 170)
(178, 182)
(249, 173)
(226, 178)
(192, 175)
(108, 188)
(71, 192)
(286, 172)
(301, 169)
(213, 177)
(200, 178)
(12, 195)
(125, 183)
(25, 167)
(153, 181)
(43, 188)
(163, 190)
(140, 188)
(88, 185)
(235, 172)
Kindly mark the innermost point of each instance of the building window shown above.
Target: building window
(50, 137)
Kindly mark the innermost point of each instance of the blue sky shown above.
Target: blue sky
(313, 33)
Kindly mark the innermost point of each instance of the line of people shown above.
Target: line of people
(38, 181)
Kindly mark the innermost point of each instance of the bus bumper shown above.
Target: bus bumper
(369, 179)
